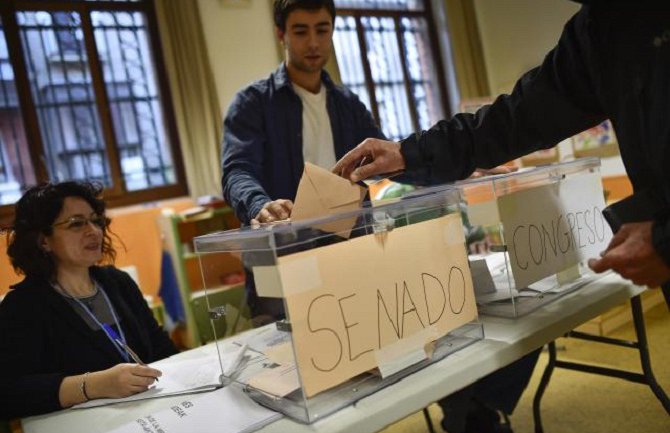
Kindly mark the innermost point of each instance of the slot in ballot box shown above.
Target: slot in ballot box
(361, 299)
(538, 227)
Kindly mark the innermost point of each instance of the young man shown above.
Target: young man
(295, 115)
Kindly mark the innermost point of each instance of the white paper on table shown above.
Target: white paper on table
(498, 274)
(554, 287)
(498, 295)
(281, 354)
(264, 338)
(179, 377)
(279, 381)
(227, 410)
(481, 277)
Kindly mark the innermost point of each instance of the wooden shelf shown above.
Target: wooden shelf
(178, 233)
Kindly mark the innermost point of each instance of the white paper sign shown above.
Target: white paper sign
(553, 227)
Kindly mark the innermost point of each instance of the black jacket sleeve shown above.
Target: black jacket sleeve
(242, 156)
(548, 104)
(660, 236)
(25, 387)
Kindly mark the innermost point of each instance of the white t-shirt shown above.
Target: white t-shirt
(317, 136)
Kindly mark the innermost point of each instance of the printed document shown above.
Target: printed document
(227, 410)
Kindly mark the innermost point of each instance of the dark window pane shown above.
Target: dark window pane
(130, 78)
(16, 171)
(60, 82)
(348, 54)
(387, 76)
(421, 69)
(406, 5)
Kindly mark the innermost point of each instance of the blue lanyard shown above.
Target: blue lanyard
(109, 332)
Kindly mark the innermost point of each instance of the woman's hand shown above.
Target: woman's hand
(122, 380)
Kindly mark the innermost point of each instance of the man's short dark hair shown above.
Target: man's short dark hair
(282, 8)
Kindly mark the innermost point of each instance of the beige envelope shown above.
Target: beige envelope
(322, 193)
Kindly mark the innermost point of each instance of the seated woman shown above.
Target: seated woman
(68, 329)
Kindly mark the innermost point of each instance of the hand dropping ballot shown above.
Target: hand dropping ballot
(322, 193)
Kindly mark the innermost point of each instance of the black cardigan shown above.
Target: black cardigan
(43, 340)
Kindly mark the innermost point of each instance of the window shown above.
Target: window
(82, 97)
(387, 54)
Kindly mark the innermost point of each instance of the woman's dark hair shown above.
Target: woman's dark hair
(35, 214)
(282, 8)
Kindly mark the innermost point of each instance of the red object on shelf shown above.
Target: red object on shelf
(232, 278)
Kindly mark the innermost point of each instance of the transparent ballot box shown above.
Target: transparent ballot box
(347, 304)
(531, 233)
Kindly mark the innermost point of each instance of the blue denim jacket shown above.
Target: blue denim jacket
(262, 142)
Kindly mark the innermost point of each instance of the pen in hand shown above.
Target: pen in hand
(132, 353)
(122, 344)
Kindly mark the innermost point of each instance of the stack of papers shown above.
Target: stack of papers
(273, 371)
(227, 410)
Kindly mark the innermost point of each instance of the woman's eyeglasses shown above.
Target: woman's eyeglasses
(79, 222)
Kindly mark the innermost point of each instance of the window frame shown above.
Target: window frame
(116, 195)
(397, 14)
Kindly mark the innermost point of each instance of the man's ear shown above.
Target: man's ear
(279, 33)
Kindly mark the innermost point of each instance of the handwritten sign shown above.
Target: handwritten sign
(348, 301)
(553, 227)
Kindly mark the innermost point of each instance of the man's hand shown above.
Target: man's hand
(274, 211)
(501, 169)
(372, 157)
(631, 254)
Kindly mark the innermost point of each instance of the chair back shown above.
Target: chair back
(236, 319)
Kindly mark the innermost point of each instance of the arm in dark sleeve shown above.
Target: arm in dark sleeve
(242, 160)
(548, 104)
(660, 237)
(23, 390)
(161, 345)
(366, 126)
